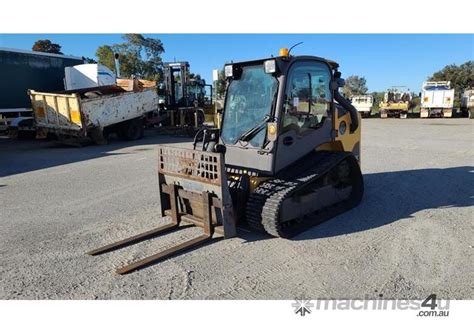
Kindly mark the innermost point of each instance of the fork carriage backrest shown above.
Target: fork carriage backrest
(194, 184)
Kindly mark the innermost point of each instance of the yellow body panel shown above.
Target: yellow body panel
(256, 180)
(76, 117)
(394, 106)
(60, 110)
(347, 142)
(211, 116)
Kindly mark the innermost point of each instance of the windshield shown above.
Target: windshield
(248, 102)
(196, 90)
(440, 87)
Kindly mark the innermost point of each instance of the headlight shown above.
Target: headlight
(270, 66)
(229, 71)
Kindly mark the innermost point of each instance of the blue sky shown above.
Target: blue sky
(384, 60)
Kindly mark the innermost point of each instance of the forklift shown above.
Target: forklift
(184, 100)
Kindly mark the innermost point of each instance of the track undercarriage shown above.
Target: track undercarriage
(323, 185)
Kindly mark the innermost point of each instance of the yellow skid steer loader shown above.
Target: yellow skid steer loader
(287, 156)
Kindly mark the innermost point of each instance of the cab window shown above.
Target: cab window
(307, 97)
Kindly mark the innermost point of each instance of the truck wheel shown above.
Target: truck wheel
(12, 133)
(133, 130)
(21, 134)
(98, 136)
(25, 134)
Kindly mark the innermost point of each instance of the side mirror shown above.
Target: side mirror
(419, 94)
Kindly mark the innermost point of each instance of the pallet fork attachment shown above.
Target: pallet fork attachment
(193, 190)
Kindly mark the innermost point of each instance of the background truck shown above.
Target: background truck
(467, 103)
(93, 113)
(396, 102)
(22, 70)
(437, 99)
(363, 104)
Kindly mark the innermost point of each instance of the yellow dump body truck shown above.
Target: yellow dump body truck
(396, 103)
(93, 113)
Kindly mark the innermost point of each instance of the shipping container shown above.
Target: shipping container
(21, 70)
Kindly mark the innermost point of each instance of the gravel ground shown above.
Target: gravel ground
(411, 236)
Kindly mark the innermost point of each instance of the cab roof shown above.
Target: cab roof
(334, 65)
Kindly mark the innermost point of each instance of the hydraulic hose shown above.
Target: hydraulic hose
(348, 106)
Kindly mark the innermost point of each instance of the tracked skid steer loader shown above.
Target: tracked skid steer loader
(286, 157)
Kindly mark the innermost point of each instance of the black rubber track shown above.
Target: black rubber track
(264, 204)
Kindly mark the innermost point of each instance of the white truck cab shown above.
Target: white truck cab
(88, 76)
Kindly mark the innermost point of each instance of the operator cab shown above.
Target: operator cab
(277, 110)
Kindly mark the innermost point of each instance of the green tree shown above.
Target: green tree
(415, 103)
(139, 56)
(105, 56)
(461, 77)
(221, 84)
(88, 60)
(354, 85)
(194, 76)
(378, 97)
(45, 45)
